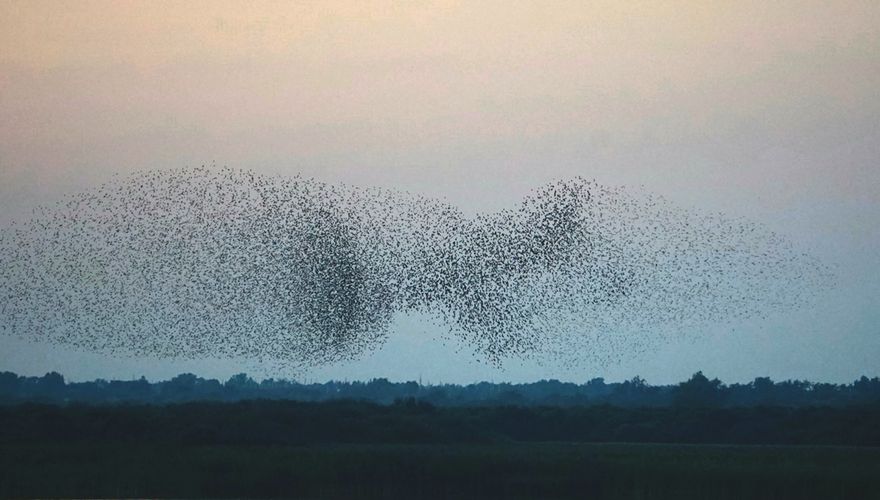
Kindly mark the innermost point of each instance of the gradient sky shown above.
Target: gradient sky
(769, 110)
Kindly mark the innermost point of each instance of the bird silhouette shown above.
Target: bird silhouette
(219, 262)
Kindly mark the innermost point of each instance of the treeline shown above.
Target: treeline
(698, 391)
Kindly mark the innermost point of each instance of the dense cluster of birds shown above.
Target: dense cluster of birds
(208, 262)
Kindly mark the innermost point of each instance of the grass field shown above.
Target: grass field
(528, 470)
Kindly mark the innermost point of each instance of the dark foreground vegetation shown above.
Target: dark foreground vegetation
(498, 471)
(273, 423)
(411, 449)
(699, 439)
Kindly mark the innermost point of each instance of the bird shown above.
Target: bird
(208, 262)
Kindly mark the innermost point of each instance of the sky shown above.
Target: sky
(768, 110)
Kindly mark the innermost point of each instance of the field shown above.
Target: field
(514, 470)
(356, 449)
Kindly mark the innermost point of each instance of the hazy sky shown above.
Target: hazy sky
(765, 109)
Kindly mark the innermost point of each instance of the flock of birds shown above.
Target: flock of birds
(206, 262)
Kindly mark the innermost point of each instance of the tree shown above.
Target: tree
(699, 391)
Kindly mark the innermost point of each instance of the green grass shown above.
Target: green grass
(533, 470)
